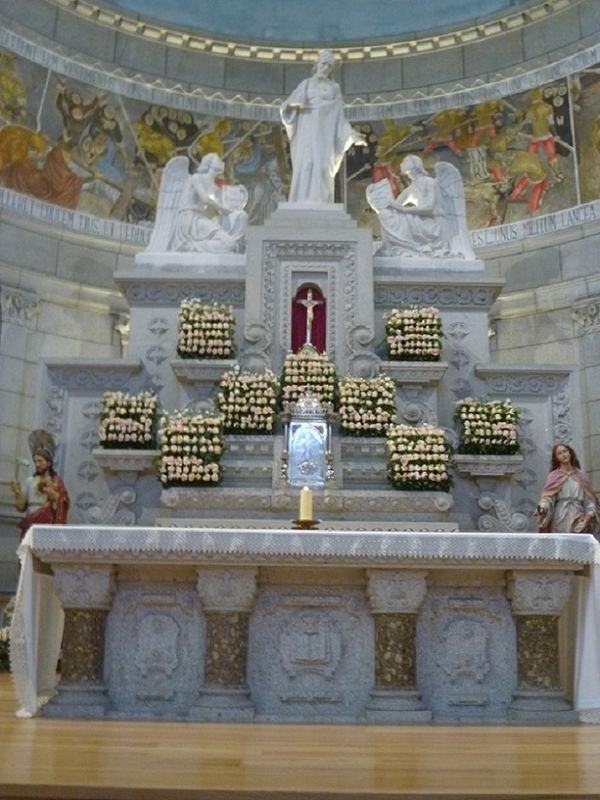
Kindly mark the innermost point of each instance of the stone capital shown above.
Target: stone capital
(395, 591)
(539, 592)
(227, 590)
(84, 587)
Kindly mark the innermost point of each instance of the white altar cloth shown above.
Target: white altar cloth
(37, 621)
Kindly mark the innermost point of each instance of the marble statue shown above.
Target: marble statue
(196, 213)
(428, 218)
(319, 133)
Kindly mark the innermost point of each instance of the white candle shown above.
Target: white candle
(306, 510)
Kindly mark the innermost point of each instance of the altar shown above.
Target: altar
(341, 624)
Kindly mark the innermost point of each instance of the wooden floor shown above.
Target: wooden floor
(179, 761)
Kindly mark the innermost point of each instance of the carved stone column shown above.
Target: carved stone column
(86, 595)
(538, 598)
(227, 595)
(396, 597)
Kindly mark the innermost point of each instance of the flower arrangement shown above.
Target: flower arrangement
(418, 458)
(205, 331)
(487, 428)
(127, 420)
(247, 401)
(413, 334)
(307, 371)
(366, 405)
(191, 445)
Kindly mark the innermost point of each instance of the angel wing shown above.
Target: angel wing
(454, 210)
(173, 181)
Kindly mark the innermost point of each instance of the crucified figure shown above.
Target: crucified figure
(309, 304)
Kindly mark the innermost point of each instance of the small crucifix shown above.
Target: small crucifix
(309, 304)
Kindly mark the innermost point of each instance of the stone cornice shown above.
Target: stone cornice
(81, 373)
(424, 100)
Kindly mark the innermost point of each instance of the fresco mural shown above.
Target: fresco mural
(81, 148)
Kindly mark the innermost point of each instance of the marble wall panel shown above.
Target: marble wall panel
(195, 68)
(72, 29)
(493, 55)
(550, 34)
(427, 68)
(140, 55)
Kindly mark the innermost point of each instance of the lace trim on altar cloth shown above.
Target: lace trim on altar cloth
(349, 545)
(590, 716)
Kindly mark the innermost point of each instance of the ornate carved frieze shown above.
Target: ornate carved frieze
(84, 586)
(390, 295)
(526, 381)
(397, 592)
(539, 592)
(170, 293)
(587, 315)
(78, 374)
(18, 307)
(226, 590)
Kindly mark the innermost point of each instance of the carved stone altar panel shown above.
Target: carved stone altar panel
(310, 653)
(467, 654)
(155, 650)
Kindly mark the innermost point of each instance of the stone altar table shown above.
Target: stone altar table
(222, 623)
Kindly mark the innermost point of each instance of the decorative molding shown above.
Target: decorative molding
(80, 374)
(505, 520)
(207, 370)
(18, 307)
(587, 315)
(84, 587)
(227, 590)
(514, 381)
(124, 460)
(59, 59)
(425, 373)
(389, 295)
(486, 466)
(539, 592)
(169, 290)
(398, 592)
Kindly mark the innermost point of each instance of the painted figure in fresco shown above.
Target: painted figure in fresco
(44, 497)
(76, 113)
(444, 128)
(428, 218)
(568, 503)
(540, 119)
(28, 165)
(319, 133)
(197, 213)
(13, 96)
